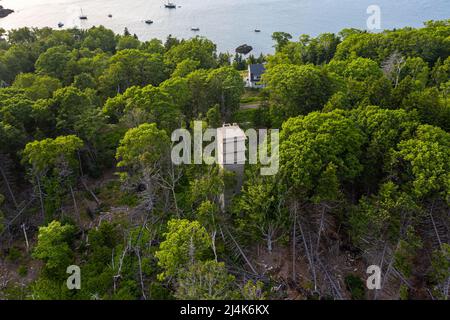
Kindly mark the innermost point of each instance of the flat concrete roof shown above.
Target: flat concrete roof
(231, 131)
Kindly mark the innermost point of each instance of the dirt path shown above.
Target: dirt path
(254, 105)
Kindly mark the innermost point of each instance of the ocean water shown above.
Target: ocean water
(229, 23)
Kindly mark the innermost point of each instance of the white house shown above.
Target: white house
(255, 71)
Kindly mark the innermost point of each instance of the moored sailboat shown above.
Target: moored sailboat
(170, 5)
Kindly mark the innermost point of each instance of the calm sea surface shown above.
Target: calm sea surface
(229, 23)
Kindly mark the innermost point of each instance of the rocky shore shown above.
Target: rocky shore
(5, 12)
(244, 49)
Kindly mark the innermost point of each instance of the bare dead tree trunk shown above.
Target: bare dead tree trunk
(241, 252)
(388, 270)
(40, 198)
(320, 227)
(17, 215)
(118, 275)
(294, 240)
(269, 234)
(79, 163)
(192, 250)
(112, 258)
(170, 184)
(90, 191)
(334, 284)
(213, 243)
(402, 278)
(175, 202)
(77, 212)
(375, 295)
(8, 186)
(308, 255)
(140, 273)
(434, 226)
(397, 77)
(83, 182)
(26, 237)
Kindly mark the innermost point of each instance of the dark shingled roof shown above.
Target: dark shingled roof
(257, 69)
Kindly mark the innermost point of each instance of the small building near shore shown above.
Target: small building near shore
(255, 72)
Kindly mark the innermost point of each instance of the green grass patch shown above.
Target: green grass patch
(244, 116)
(248, 100)
(251, 95)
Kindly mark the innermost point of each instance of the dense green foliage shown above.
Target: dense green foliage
(86, 118)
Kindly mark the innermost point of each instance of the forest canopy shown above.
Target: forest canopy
(86, 118)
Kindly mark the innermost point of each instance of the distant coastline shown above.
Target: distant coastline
(5, 12)
(242, 18)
